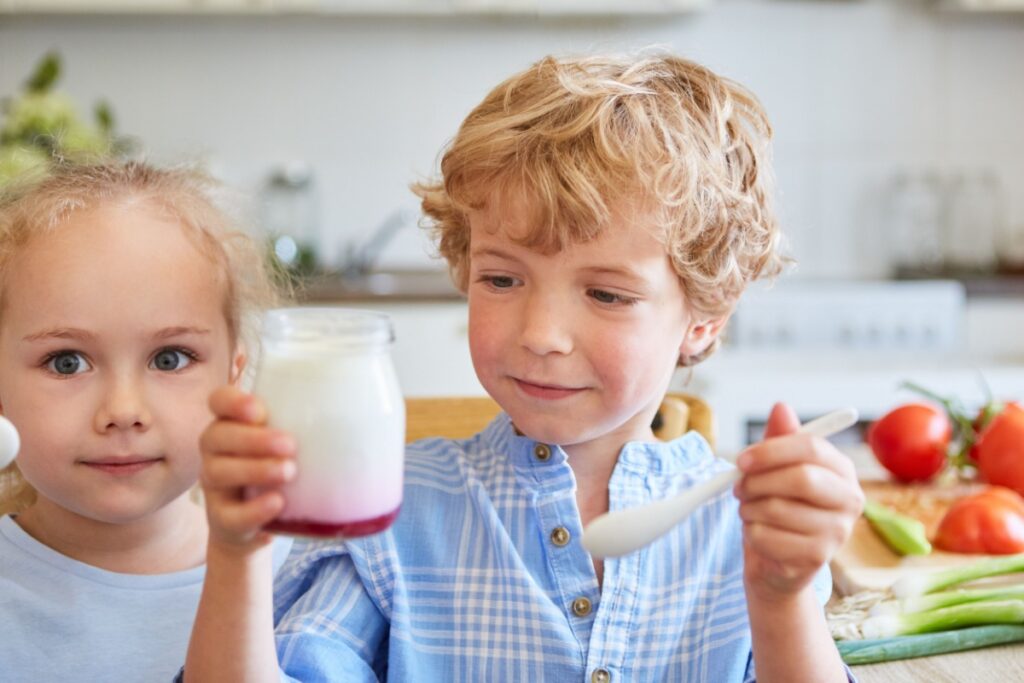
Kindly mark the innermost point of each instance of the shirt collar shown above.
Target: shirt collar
(654, 458)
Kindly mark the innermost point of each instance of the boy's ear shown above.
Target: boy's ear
(238, 362)
(701, 335)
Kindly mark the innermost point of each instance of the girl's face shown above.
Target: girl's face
(578, 347)
(112, 336)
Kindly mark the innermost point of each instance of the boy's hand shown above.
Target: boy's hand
(799, 499)
(239, 452)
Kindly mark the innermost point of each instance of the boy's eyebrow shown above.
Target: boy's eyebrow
(620, 271)
(491, 251)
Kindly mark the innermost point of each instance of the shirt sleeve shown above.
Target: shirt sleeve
(328, 625)
(823, 590)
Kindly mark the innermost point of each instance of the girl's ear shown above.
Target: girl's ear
(238, 362)
(701, 335)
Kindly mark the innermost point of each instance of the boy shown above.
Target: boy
(602, 215)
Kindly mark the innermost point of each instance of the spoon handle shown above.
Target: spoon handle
(618, 533)
(830, 423)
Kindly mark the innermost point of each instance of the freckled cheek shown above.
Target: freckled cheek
(482, 349)
(623, 362)
(615, 347)
(488, 333)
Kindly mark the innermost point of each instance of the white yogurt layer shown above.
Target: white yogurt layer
(348, 417)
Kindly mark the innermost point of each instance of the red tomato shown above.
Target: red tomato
(999, 450)
(911, 441)
(991, 521)
(980, 423)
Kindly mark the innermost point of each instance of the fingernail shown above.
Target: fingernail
(743, 462)
(288, 470)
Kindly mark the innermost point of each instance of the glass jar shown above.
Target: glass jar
(972, 223)
(290, 218)
(327, 378)
(915, 217)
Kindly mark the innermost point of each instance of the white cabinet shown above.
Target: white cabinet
(357, 7)
(136, 6)
(431, 351)
(565, 7)
(983, 5)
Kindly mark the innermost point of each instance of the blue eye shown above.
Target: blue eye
(67, 363)
(501, 281)
(169, 360)
(601, 296)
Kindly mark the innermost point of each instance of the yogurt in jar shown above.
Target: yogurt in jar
(326, 377)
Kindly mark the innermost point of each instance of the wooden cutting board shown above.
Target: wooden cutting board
(866, 562)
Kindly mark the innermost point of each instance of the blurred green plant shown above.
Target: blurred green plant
(40, 124)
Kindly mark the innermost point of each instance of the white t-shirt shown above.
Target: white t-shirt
(64, 620)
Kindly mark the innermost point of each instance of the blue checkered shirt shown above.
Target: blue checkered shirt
(478, 580)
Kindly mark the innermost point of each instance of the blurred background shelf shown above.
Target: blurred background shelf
(976, 285)
(358, 7)
(391, 286)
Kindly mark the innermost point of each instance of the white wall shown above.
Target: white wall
(857, 90)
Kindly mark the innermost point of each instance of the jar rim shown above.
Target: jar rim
(330, 324)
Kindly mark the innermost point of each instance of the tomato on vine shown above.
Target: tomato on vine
(912, 441)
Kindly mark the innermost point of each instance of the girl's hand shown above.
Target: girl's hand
(241, 452)
(799, 499)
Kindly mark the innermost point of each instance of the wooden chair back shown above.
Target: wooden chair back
(460, 417)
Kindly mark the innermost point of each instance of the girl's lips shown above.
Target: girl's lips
(545, 392)
(124, 466)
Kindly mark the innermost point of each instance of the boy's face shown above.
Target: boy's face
(578, 346)
(113, 335)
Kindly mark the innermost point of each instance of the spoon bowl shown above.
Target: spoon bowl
(10, 442)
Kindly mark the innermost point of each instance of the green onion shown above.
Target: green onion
(923, 603)
(888, 649)
(910, 586)
(905, 535)
(944, 619)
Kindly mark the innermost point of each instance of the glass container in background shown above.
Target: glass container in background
(1010, 244)
(327, 378)
(915, 221)
(973, 217)
(290, 217)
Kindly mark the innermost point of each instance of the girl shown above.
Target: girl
(124, 298)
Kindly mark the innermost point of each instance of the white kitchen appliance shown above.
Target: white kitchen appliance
(823, 345)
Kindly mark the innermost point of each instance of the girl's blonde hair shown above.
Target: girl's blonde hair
(575, 137)
(42, 204)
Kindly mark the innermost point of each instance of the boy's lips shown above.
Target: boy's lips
(545, 391)
(125, 465)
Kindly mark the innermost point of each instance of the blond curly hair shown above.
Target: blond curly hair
(576, 136)
(43, 203)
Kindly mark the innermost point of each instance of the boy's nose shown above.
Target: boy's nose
(546, 326)
(123, 406)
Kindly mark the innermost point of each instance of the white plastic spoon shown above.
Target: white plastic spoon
(9, 442)
(618, 533)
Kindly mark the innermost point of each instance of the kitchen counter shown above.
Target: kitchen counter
(999, 663)
(415, 286)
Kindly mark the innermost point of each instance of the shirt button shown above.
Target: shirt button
(542, 452)
(601, 676)
(560, 536)
(581, 607)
